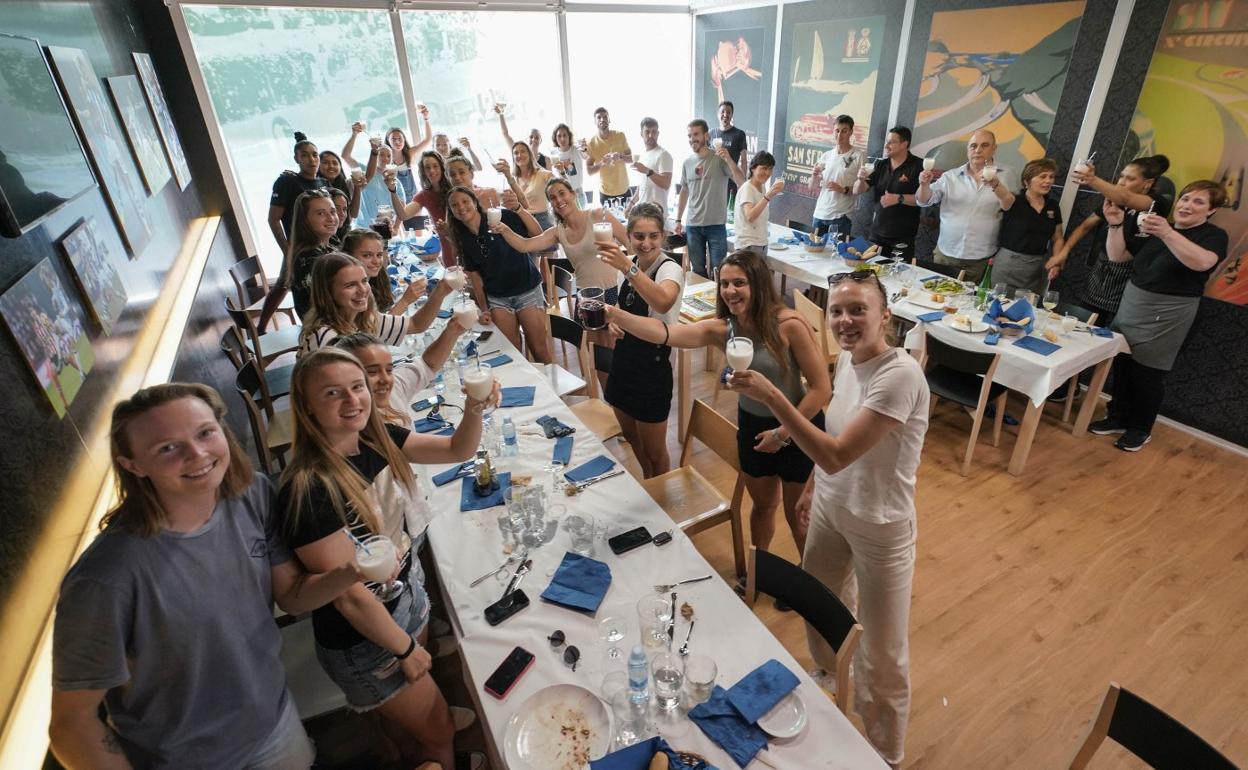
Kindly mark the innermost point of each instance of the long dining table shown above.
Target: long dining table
(468, 545)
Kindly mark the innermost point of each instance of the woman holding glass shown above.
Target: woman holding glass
(1169, 273)
(528, 181)
(394, 386)
(314, 225)
(859, 505)
(1030, 225)
(567, 161)
(434, 185)
(350, 480)
(785, 352)
(191, 513)
(369, 248)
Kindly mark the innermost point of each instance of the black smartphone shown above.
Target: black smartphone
(663, 538)
(427, 403)
(506, 607)
(508, 673)
(485, 335)
(627, 541)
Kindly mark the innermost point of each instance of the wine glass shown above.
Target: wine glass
(378, 558)
(611, 630)
(1050, 300)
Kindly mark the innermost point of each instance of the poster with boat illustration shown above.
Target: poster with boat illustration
(1002, 69)
(835, 66)
(1192, 109)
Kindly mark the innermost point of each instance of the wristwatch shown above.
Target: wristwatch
(649, 172)
(632, 271)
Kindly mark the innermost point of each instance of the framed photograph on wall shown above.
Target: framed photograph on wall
(140, 130)
(164, 121)
(96, 271)
(50, 331)
(42, 165)
(98, 128)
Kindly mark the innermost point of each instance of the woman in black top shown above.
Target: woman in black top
(1031, 222)
(314, 225)
(505, 282)
(289, 185)
(1171, 268)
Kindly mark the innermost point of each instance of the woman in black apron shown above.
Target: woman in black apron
(640, 386)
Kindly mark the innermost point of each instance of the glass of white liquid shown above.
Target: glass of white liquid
(700, 673)
(740, 352)
(493, 216)
(378, 559)
(668, 670)
(465, 313)
(455, 278)
(717, 142)
(1049, 301)
(989, 173)
(929, 164)
(1082, 167)
(1139, 223)
(1069, 322)
(479, 381)
(602, 232)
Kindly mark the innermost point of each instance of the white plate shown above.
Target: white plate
(977, 326)
(786, 719)
(535, 740)
(779, 247)
(923, 299)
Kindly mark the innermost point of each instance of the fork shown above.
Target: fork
(662, 588)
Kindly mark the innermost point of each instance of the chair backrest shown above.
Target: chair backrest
(250, 381)
(1078, 311)
(235, 347)
(818, 320)
(952, 271)
(1149, 733)
(796, 224)
(247, 383)
(566, 330)
(564, 280)
(249, 279)
(714, 430)
(802, 591)
(968, 361)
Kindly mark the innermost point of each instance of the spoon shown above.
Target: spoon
(684, 648)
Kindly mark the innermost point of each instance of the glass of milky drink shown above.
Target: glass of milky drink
(493, 216)
(378, 559)
(929, 164)
(479, 381)
(740, 353)
(717, 142)
(602, 232)
(455, 278)
(989, 173)
(465, 313)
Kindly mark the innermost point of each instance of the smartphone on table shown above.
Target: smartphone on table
(509, 672)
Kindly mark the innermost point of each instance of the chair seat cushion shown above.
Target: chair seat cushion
(688, 498)
(959, 387)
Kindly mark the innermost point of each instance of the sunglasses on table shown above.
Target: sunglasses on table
(858, 276)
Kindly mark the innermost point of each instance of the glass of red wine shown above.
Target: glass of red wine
(591, 307)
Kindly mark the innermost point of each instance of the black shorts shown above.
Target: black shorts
(790, 463)
(640, 384)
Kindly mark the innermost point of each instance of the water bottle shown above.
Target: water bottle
(461, 362)
(510, 446)
(638, 676)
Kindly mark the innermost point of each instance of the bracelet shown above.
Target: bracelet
(775, 433)
(667, 333)
(410, 649)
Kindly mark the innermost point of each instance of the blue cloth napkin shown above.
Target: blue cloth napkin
(563, 451)
(498, 360)
(1101, 331)
(432, 425)
(1017, 311)
(788, 241)
(862, 244)
(470, 349)
(455, 472)
(517, 396)
(725, 726)
(469, 500)
(931, 317)
(992, 338)
(760, 690)
(638, 756)
(1037, 345)
(580, 583)
(444, 314)
(595, 467)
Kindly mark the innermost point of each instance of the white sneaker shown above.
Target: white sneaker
(463, 718)
(442, 646)
(439, 627)
(825, 679)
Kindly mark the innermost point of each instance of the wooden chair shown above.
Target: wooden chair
(593, 411)
(946, 270)
(965, 377)
(560, 288)
(1149, 733)
(253, 286)
(1072, 385)
(691, 501)
(817, 317)
(815, 602)
(264, 347)
(276, 379)
(272, 428)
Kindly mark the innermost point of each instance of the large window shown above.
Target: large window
(273, 71)
(636, 65)
(464, 63)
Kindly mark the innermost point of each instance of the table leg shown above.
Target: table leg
(1026, 434)
(683, 403)
(1090, 399)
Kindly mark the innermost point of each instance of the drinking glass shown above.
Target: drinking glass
(630, 719)
(1050, 300)
(580, 526)
(700, 673)
(614, 682)
(536, 533)
(653, 614)
(667, 669)
(1069, 323)
(740, 353)
(591, 307)
(1001, 291)
(380, 546)
(611, 630)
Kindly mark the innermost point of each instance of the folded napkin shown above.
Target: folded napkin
(580, 583)
(860, 243)
(1017, 311)
(992, 338)
(760, 690)
(1101, 331)
(721, 722)
(444, 314)
(788, 241)
(638, 756)
(469, 500)
(1037, 345)
(470, 349)
(517, 396)
(595, 467)
(563, 451)
(455, 472)
(498, 360)
(432, 425)
(553, 428)
(931, 317)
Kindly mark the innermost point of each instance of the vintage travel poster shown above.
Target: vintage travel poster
(737, 67)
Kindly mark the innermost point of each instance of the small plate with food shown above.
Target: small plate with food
(560, 727)
(964, 323)
(928, 299)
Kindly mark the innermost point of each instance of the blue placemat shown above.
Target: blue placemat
(760, 690)
(595, 467)
(725, 726)
(434, 426)
(563, 451)
(498, 360)
(580, 583)
(1037, 345)
(517, 396)
(931, 317)
(469, 500)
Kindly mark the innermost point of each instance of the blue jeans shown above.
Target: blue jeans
(840, 225)
(704, 239)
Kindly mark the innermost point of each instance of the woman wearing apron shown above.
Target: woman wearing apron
(1031, 223)
(1159, 304)
(640, 386)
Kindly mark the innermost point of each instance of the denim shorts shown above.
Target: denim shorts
(352, 669)
(534, 297)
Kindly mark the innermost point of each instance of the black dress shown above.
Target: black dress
(640, 384)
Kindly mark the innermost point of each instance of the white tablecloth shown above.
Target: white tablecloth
(466, 545)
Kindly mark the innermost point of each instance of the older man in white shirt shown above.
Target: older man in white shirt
(970, 198)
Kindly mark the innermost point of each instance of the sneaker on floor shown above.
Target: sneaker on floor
(463, 718)
(439, 627)
(1133, 440)
(1107, 427)
(442, 646)
(825, 679)
(470, 760)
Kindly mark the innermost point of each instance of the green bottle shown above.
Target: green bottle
(985, 287)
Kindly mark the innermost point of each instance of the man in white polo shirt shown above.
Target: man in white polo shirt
(834, 176)
(655, 167)
(970, 206)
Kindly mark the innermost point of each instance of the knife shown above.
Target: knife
(521, 571)
(671, 623)
(595, 479)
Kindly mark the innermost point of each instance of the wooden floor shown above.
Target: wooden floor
(1033, 592)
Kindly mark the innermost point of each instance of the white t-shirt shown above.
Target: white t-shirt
(660, 161)
(575, 175)
(390, 328)
(749, 233)
(668, 270)
(879, 486)
(842, 169)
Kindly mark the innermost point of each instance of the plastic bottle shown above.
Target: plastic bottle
(510, 446)
(638, 676)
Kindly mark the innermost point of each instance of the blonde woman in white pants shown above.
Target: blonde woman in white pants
(859, 503)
